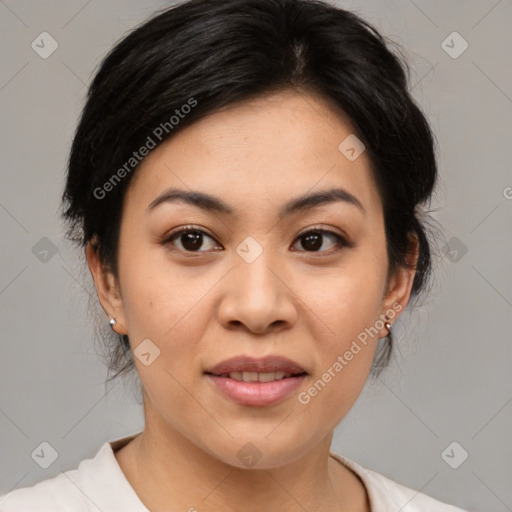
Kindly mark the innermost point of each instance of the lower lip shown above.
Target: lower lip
(257, 393)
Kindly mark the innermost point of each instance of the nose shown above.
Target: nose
(257, 297)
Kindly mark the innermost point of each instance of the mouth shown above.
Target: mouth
(258, 376)
(257, 382)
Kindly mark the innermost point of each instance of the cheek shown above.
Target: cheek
(157, 296)
(346, 308)
(348, 300)
(165, 303)
(164, 306)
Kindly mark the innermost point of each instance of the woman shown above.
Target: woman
(247, 180)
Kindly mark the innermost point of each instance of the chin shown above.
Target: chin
(255, 450)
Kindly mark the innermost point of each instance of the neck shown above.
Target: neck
(168, 472)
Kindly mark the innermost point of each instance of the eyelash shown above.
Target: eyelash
(341, 243)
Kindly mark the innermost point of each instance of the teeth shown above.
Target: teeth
(250, 377)
(267, 377)
(258, 377)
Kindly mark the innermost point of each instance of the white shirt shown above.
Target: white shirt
(99, 485)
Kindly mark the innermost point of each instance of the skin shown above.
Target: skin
(293, 301)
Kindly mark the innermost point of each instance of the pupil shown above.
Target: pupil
(192, 240)
(313, 240)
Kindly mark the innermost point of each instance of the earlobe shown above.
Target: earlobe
(107, 288)
(400, 284)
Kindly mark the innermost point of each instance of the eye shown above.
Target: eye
(313, 241)
(191, 239)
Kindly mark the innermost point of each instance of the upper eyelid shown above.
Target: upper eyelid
(203, 230)
(185, 229)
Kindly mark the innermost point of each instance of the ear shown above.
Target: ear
(399, 286)
(107, 288)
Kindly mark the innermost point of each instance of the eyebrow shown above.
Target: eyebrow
(208, 202)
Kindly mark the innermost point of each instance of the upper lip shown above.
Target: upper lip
(260, 365)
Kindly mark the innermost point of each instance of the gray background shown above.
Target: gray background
(450, 380)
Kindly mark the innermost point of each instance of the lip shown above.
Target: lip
(256, 393)
(260, 365)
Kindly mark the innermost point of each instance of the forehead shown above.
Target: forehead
(258, 153)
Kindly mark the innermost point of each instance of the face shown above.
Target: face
(263, 281)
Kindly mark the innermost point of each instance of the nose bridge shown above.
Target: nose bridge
(254, 294)
(254, 271)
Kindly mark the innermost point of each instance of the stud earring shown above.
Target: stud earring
(112, 322)
(388, 326)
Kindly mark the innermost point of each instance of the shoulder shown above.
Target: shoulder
(53, 495)
(97, 484)
(386, 494)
